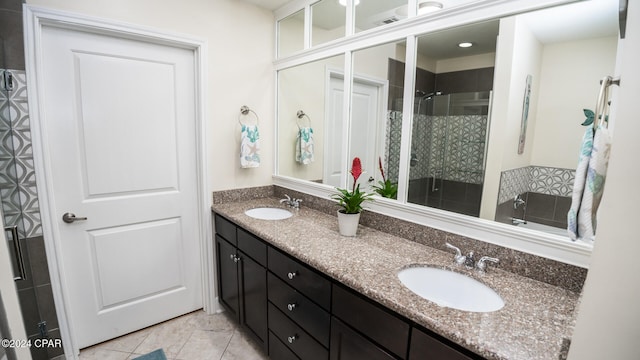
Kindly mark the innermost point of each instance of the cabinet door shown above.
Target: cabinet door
(372, 320)
(253, 300)
(228, 294)
(425, 347)
(347, 344)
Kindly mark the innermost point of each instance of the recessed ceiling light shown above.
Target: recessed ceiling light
(427, 7)
(344, 2)
(465, 44)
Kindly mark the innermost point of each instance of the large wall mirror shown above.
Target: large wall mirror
(464, 151)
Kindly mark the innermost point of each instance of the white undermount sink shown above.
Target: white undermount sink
(450, 289)
(268, 213)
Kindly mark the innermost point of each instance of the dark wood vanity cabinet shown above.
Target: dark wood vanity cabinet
(242, 278)
(295, 312)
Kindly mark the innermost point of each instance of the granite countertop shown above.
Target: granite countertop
(532, 324)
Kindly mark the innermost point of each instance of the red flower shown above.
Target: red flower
(356, 170)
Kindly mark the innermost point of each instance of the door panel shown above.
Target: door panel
(119, 115)
(364, 128)
(122, 274)
(107, 119)
(364, 122)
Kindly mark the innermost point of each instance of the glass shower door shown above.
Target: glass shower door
(448, 151)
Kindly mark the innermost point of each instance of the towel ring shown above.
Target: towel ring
(300, 115)
(603, 100)
(245, 110)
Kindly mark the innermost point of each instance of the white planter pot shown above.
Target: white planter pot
(348, 223)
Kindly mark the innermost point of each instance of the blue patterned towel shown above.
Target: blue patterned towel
(304, 146)
(589, 184)
(249, 146)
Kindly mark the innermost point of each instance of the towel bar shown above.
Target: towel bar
(300, 115)
(245, 110)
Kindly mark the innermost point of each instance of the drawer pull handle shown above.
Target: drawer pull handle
(234, 258)
(291, 339)
(291, 306)
(291, 275)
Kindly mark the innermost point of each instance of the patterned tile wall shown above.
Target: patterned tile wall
(537, 179)
(17, 173)
(392, 142)
(551, 181)
(512, 183)
(447, 147)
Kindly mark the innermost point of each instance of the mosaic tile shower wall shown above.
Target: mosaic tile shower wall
(447, 147)
(537, 179)
(392, 144)
(17, 182)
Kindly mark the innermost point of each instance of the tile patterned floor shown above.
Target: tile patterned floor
(190, 337)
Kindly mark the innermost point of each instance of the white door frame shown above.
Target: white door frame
(35, 18)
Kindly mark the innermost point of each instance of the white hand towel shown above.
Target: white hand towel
(249, 146)
(304, 146)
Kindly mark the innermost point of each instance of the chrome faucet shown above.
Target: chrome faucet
(291, 202)
(481, 266)
(469, 261)
(518, 201)
(459, 258)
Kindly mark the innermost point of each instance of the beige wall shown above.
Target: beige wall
(240, 70)
(303, 88)
(569, 77)
(519, 54)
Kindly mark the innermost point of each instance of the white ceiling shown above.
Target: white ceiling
(581, 20)
(267, 4)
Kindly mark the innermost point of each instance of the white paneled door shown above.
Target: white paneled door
(120, 122)
(365, 125)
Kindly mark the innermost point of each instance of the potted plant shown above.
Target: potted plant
(386, 188)
(351, 202)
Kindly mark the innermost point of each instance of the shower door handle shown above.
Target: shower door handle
(17, 249)
(71, 217)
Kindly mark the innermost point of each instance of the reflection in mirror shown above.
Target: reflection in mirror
(304, 149)
(566, 50)
(328, 19)
(371, 14)
(452, 91)
(376, 98)
(291, 34)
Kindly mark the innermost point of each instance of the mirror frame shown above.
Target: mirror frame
(538, 243)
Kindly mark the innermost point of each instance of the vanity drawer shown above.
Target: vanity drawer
(301, 277)
(226, 229)
(371, 320)
(252, 246)
(300, 309)
(294, 337)
(278, 350)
